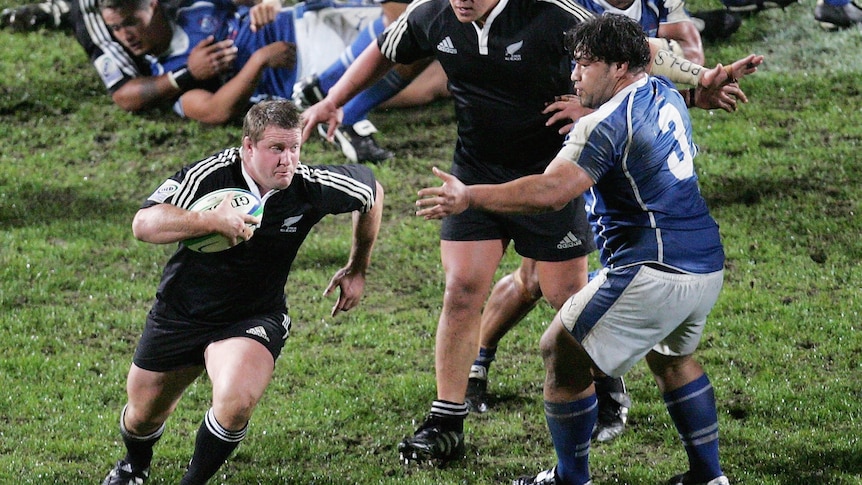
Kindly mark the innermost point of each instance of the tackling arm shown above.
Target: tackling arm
(561, 182)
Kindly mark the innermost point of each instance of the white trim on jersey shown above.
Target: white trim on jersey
(573, 8)
(396, 30)
(200, 171)
(101, 37)
(484, 31)
(340, 182)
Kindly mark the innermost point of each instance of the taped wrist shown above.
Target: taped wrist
(181, 78)
(667, 45)
(675, 68)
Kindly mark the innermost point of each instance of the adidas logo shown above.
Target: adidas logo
(258, 332)
(446, 46)
(569, 241)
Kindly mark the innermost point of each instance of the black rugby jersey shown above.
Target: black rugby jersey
(249, 278)
(501, 76)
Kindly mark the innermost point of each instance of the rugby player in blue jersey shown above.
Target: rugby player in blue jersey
(632, 159)
(506, 65)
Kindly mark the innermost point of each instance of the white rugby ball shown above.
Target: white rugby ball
(242, 201)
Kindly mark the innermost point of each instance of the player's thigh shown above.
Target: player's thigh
(154, 395)
(559, 280)
(240, 369)
(622, 314)
(470, 265)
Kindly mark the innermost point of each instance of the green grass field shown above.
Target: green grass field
(783, 348)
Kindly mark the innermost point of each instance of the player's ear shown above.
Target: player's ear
(622, 68)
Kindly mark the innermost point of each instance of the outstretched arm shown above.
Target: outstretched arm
(561, 182)
(367, 69)
(719, 86)
(351, 278)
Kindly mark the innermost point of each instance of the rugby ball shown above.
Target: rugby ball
(242, 201)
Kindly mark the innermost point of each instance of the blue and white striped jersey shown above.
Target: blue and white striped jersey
(648, 13)
(646, 204)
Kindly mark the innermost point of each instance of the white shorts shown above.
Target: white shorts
(623, 314)
(322, 35)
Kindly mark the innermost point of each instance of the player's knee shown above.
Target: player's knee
(527, 282)
(464, 290)
(552, 344)
(236, 413)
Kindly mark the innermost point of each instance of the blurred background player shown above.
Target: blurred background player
(323, 29)
(419, 83)
(837, 14)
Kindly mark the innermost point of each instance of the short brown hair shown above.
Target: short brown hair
(278, 113)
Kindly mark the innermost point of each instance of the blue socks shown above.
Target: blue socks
(486, 356)
(357, 109)
(333, 73)
(571, 425)
(692, 409)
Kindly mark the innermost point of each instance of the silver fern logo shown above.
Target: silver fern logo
(512, 51)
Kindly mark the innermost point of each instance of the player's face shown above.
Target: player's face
(594, 81)
(472, 10)
(133, 28)
(272, 161)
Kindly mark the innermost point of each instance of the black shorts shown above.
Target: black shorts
(170, 344)
(552, 236)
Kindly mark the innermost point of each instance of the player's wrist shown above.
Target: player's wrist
(181, 78)
(690, 96)
(676, 68)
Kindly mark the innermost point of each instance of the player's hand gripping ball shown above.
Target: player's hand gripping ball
(242, 201)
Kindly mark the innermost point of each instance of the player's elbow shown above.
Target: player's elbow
(552, 203)
(142, 226)
(129, 104)
(129, 98)
(215, 117)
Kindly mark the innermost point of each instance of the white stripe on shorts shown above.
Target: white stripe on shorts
(660, 311)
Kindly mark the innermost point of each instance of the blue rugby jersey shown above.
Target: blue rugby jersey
(648, 13)
(646, 204)
(196, 20)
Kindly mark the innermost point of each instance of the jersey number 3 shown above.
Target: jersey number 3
(681, 160)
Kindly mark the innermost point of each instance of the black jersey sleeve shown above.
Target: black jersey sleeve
(335, 189)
